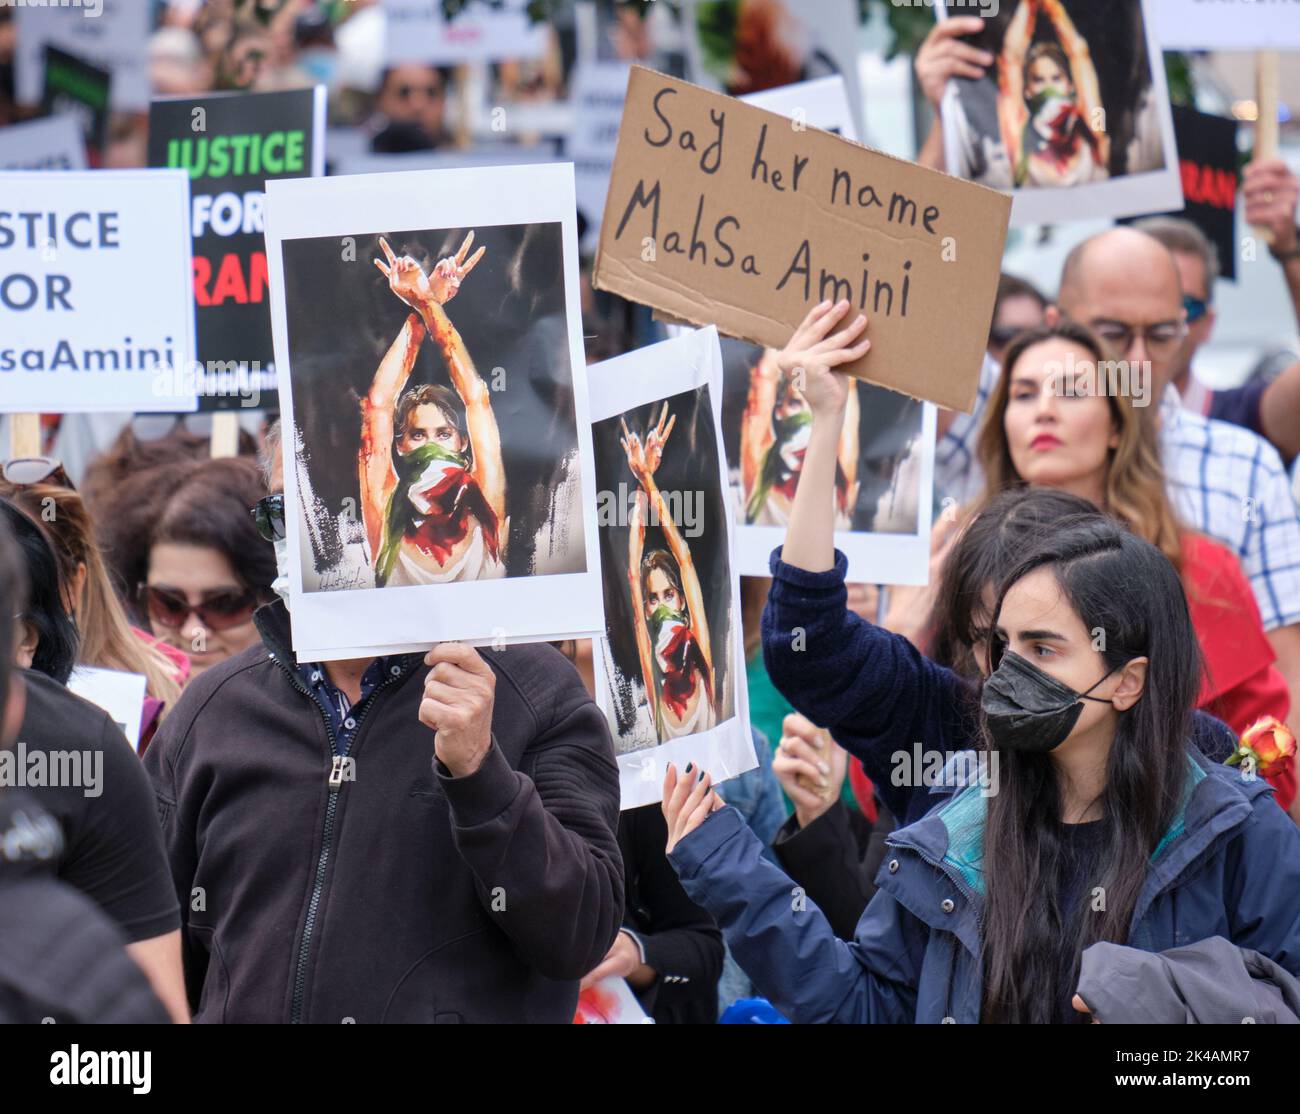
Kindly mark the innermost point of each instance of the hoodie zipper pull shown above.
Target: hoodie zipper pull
(336, 772)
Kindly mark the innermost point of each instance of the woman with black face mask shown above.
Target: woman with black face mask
(1092, 816)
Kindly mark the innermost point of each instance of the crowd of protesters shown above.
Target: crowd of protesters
(234, 872)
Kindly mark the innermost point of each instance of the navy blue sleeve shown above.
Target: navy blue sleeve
(1240, 406)
(873, 690)
(785, 944)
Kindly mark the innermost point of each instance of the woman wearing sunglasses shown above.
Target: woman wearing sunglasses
(182, 537)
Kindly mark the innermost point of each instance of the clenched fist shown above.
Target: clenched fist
(458, 696)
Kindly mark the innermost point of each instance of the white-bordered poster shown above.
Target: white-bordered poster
(437, 439)
(741, 47)
(95, 305)
(670, 669)
(884, 478)
(1072, 118)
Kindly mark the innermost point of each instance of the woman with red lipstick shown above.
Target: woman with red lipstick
(1055, 419)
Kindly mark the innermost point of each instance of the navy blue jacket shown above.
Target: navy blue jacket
(1228, 866)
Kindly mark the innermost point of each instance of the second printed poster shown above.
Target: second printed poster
(669, 672)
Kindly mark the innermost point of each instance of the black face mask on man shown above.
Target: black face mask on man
(1029, 710)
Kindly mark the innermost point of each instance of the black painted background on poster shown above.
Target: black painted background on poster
(229, 329)
(510, 312)
(887, 423)
(1114, 31)
(689, 465)
(1208, 163)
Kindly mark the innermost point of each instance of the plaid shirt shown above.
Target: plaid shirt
(1224, 481)
(1229, 483)
(957, 474)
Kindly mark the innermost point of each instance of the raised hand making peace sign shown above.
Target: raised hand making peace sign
(644, 459)
(406, 278)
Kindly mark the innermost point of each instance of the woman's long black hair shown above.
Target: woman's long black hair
(1126, 589)
(56, 634)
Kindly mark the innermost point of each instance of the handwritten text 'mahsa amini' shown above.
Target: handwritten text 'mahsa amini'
(888, 295)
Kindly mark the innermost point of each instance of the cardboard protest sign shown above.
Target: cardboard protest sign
(670, 672)
(110, 34)
(434, 399)
(95, 306)
(741, 47)
(883, 493)
(1226, 24)
(417, 31)
(230, 145)
(722, 213)
(1073, 116)
(120, 694)
(50, 143)
(75, 88)
(1208, 164)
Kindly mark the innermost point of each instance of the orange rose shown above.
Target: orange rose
(1269, 745)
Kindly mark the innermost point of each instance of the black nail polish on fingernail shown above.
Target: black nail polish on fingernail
(688, 766)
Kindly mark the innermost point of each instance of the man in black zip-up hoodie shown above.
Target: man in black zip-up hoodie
(376, 886)
(337, 859)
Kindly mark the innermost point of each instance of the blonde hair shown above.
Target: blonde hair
(1135, 491)
(107, 640)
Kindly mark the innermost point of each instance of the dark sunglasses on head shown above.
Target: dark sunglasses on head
(1196, 308)
(26, 470)
(220, 610)
(269, 516)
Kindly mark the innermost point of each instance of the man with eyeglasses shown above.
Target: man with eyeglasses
(411, 838)
(1225, 481)
(1268, 407)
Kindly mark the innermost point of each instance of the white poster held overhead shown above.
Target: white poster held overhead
(1226, 24)
(111, 34)
(417, 31)
(821, 103)
(670, 671)
(50, 143)
(1073, 117)
(96, 309)
(120, 694)
(742, 48)
(437, 441)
